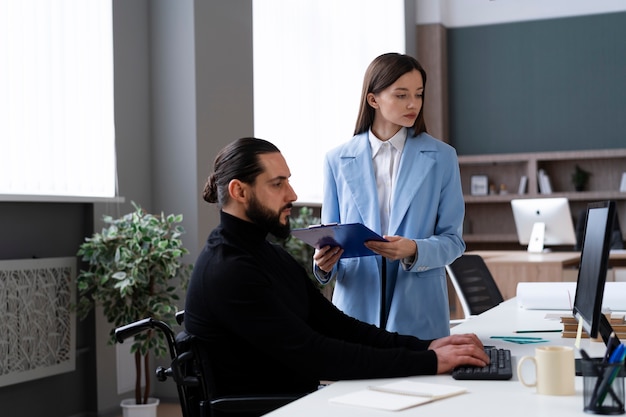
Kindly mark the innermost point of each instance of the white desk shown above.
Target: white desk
(505, 398)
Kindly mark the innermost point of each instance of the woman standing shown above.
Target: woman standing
(404, 184)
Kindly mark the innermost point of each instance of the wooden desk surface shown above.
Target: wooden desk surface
(560, 258)
(617, 258)
(511, 267)
(508, 268)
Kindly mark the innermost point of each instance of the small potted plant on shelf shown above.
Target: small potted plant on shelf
(131, 268)
(580, 177)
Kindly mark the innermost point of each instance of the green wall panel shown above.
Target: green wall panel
(548, 85)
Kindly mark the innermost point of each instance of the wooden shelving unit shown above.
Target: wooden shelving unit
(489, 219)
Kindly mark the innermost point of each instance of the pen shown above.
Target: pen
(610, 347)
(539, 331)
(616, 357)
(598, 372)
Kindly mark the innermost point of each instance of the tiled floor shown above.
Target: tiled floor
(169, 410)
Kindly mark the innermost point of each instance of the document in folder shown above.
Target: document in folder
(351, 237)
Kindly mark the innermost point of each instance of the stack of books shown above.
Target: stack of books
(545, 186)
(618, 323)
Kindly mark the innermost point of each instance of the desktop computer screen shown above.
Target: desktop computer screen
(592, 269)
(543, 221)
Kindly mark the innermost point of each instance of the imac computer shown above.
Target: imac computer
(543, 222)
(592, 270)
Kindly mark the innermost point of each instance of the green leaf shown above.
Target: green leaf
(119, 275)
(129, 268)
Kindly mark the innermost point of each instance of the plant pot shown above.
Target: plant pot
(130, 409)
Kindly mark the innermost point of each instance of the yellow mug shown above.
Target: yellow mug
(554, 370)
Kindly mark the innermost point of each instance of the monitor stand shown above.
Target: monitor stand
(605, 329)
(535, 244)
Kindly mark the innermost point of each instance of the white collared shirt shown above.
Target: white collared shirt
(386, 159)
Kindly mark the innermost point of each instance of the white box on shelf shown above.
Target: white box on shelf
(479, 185)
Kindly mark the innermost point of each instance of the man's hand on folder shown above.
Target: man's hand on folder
(396, 247)
(326, 257)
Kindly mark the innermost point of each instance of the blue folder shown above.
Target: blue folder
(351, 237)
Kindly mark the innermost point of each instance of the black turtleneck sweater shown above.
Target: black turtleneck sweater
(270, 330)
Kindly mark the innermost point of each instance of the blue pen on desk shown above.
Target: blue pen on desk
(618, 355)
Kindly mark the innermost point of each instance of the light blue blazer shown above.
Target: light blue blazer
(427, 206)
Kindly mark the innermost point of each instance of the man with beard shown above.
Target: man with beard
(268, 329)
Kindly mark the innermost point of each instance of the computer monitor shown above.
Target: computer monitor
(592, 270)
(543, 222)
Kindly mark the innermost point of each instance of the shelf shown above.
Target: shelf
(489, 218)
(487, 199)
(589, 195)
(572, 196)
(470, 238)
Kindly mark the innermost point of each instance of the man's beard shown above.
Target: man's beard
(268, 220)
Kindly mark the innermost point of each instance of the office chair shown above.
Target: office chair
(190, 369)
(474, 285)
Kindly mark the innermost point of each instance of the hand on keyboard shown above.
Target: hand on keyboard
(498, 369)
(456, 350)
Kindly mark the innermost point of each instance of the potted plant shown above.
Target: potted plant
(580, 178)
(131, 268)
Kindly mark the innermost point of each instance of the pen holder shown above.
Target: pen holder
(603, 386)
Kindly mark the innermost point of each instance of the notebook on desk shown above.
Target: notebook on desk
(399, 395)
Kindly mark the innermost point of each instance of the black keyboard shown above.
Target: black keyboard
(498, 369)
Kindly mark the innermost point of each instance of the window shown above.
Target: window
(56, 98)
(309, 60)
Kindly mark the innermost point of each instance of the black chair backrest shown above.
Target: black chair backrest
(475, 282)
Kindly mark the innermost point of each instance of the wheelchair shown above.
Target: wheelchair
(189, 369)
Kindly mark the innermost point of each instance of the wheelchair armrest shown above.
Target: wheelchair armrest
(180, 317)
(129, 330)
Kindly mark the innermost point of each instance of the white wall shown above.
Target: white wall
(461, 13)
(183, 90)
